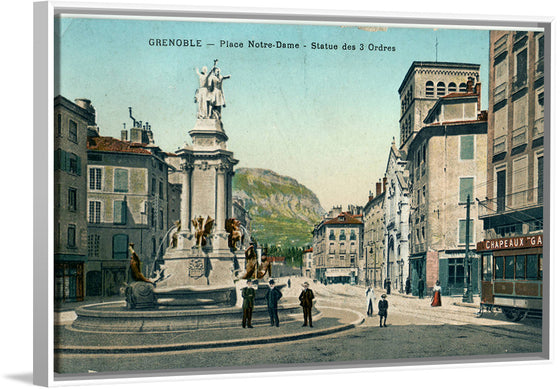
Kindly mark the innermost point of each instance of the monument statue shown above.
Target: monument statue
(233, 227)
(252, 268)
(203, 229)
(209, 95)
(140, 292)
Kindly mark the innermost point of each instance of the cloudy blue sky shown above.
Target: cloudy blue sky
(323, 117)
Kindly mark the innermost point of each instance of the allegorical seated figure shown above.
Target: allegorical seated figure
(203, 229)
(139, 292)
(233, 227)
(252, 268)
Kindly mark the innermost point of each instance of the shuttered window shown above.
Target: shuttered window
(467, 147)
(119, 212)
(121, 180)
(466, 185)
(120, 246)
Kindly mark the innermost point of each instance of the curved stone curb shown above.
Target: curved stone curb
(211, 344)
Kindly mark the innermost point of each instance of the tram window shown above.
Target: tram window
(487, 267)
(499, 269)
(509, 268)
(540, 267)
(520, 267)
(532, 267)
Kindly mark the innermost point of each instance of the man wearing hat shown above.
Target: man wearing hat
(383, 307)
(248, 294)
(272, 296)
(306, 301)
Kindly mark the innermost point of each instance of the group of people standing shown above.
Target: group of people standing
(382, 306)
(272, 296)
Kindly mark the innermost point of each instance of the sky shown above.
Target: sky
(325, 117)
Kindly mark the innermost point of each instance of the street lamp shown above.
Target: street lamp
(367, 271)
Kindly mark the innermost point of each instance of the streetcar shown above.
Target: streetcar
(511, 276)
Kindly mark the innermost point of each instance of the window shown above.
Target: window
(153, 246)
(73, 131)
(352, 235)
(119, 212)
(467, 147)
(462, 231)
(94, 212)
(463, 87)
(153, 217)
(521, 67)
(342, 235)
(59, 124)
(71, 235)
(456, 271)
(161, 220)
(72, 199)
(95, 178)
(161, 190)
(532, 267)
(520, 267)
(429, 88)
(93, 245)
(509, 267)
(120, 246)
(466, 185)
(499, 268)
(452, 87)
(121, 180)
(331, 248)
(424, 194)
(342, 248)
(440, 89)
(153, 186)
(74, 164)
(540, 47)
(487, 267)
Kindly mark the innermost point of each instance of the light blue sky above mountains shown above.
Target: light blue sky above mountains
(323, 117)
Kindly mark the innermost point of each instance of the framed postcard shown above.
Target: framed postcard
(262, 191)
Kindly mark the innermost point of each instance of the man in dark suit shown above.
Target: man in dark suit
(306, 301)
(272, 296)
(248, 294)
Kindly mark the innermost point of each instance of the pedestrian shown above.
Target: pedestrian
(306, 301)
(248, 294)
(289, 283)
(388, 285)
(383, 307)
(407, 285)
(272, 296)
(370, 300)
(420, 288)
(436, 298)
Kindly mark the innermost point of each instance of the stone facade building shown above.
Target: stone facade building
(374, 238)
(396, 217)
(71, 122)
(128, 202)
(447, 164)
(337, 248)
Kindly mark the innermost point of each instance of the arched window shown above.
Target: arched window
(452, 87)
(440, 89)
(463, 87)
(429, 88)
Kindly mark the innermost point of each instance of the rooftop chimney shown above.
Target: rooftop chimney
(478, 87)
(378, 188)
(86, 104)
(124, 135)
(470, 85)
(384, 184)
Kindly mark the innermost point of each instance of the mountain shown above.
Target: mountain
(282, 210)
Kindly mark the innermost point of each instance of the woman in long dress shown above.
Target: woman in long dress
(436, 298)
(370, 301)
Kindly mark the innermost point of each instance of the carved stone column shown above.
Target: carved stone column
(186, 196)
(221, 204)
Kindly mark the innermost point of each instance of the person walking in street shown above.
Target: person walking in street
(383, 307)
(388, 285)
(248, 294)
(407, 285)
(370, 300)
(306, 301)
(272, 296)
(420, 288)
(436, 298)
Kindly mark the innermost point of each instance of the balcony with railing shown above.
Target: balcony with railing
(519, 136)
(519, 82)
(500, 93)
(500, 46)
(500, 144)
(510, 203)
(538, 128)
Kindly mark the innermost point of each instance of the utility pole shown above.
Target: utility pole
(468, 296)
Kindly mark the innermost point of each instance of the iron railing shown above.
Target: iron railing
(511, 202)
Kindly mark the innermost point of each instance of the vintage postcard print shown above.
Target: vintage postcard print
(260, 194)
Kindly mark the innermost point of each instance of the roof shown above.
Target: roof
(345, 218)
(440, 65)
(107, 143)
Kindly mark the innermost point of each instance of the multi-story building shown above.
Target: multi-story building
(422, 85)
(396, 216)
(515, 188)
(128, 202)
(71, 122)
(337, 248)
(374, 238)
(307, 259)
(447, 164)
